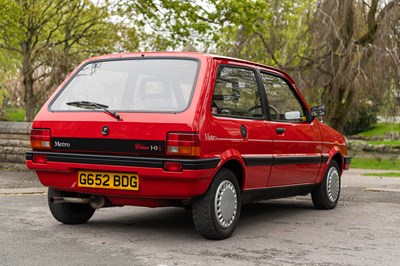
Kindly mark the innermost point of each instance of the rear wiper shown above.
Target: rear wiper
(93, 106)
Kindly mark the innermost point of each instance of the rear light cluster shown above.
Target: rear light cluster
(183, 144)
(40, 139)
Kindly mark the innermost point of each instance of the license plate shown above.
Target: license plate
(124, 181)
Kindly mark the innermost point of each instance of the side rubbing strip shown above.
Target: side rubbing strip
(283, 160)
(325, 158)
(258, 161)
(280, 160)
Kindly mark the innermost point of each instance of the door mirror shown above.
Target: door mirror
(294, 115)
(319, 110)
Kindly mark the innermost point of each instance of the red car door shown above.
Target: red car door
(297, 141)
(238, 123)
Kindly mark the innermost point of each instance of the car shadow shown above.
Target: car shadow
(177, 223)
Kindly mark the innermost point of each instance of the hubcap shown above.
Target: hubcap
(226, 204)
(333, 184)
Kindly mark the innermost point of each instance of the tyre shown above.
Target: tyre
(217, 212)
(326, 196)
(68, 213)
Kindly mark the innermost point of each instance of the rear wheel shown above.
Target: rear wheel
(326, 196)
(68, 213)
(217, 212)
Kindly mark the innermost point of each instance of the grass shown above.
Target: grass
(388, 174)
(380, 129)
(372, 163)
(384, 142)
(14, 114)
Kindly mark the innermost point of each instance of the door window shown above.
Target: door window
(236, 93)
(282, 102)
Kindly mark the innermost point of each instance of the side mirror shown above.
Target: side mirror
(294, 115)
(319, 110)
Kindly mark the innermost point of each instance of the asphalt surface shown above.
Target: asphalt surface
(363, 230)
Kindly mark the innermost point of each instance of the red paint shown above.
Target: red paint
(193, 134)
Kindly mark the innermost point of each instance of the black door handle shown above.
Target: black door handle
(280, 130)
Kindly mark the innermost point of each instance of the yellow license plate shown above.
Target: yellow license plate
(124, 181)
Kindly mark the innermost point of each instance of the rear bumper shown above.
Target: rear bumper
(61, 172)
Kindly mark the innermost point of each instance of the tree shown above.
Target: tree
(49, 38)
(173, 24)
(357, 55)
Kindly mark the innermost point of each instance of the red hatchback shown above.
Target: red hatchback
(200, 131)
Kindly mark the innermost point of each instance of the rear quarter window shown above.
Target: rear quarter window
(236, 93)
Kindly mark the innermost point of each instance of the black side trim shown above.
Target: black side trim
(276, 193)
(347, 160)
(297, 160)
(258, 161)
(325, 158)
(188, 164)
(282, 160)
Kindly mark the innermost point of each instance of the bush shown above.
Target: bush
(364, 120)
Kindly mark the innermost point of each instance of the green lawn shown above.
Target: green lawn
(388, 174)
(372, 163)
(384, 142)
(380, 129)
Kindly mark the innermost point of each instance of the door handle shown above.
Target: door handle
(280, 130)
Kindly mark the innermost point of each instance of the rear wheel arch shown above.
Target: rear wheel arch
(237, 168)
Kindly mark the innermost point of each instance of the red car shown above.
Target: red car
(204, 132)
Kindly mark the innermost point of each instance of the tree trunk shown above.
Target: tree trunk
(28, 82)
(339, 91)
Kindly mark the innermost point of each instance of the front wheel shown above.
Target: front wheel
(68, 213)
(217, 212)
(326, 196)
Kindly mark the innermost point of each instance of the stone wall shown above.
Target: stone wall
(14, 141)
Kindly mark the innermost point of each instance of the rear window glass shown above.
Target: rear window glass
(147, 85)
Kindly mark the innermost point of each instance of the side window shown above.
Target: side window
(283, 104)
(236, 93)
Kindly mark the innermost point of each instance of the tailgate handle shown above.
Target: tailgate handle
(280, 130)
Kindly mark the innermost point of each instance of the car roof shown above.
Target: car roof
(187, 54)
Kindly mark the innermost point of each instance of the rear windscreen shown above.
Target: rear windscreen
(147, 85)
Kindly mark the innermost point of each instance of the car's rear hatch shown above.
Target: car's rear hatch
(127, 106)
(136, 134)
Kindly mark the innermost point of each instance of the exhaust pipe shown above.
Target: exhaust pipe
(95, 202)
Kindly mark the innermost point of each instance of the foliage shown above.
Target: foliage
(48, 38)
(362, 119)
(343, 53)
(347, 48)
(356, 53)
(380, 129)
(371, 163)
(14, 114)
(268, 32)
(3, 95)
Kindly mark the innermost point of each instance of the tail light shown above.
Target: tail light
(183, 144)
(40, 139)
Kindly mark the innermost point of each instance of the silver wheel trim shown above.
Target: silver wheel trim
(225, 204)
(333, 184)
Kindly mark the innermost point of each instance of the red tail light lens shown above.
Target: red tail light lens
(183, 144)
(40, 139)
